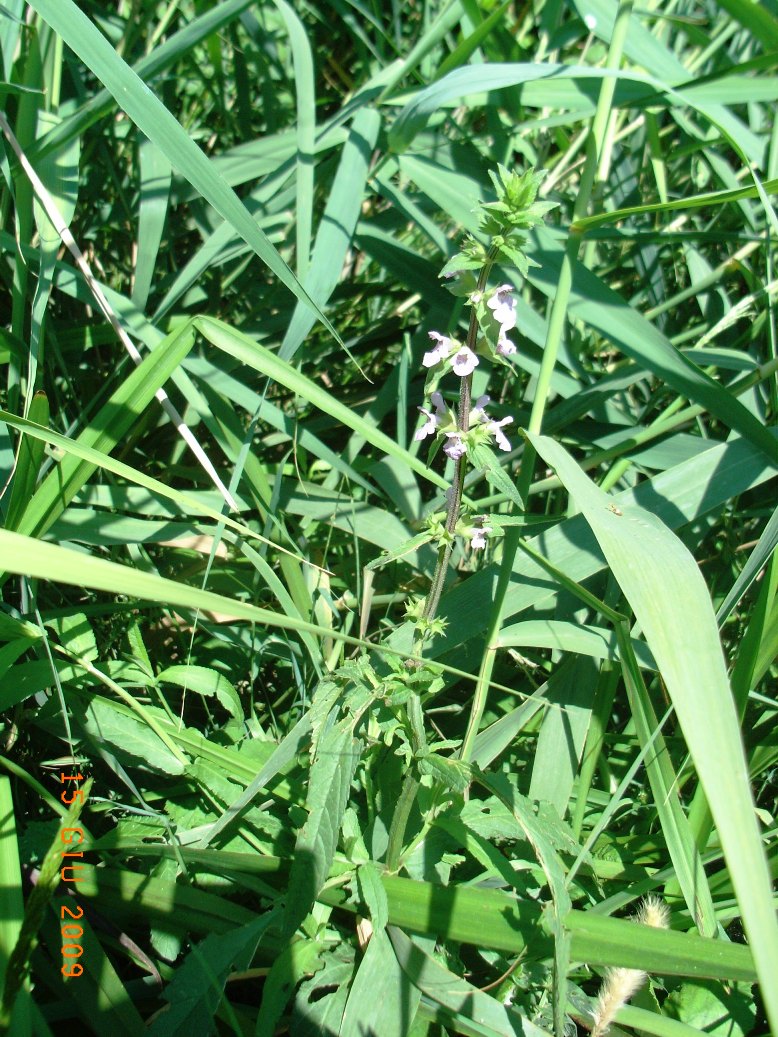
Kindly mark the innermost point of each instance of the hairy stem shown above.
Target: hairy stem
(463, 424)
(414, 711)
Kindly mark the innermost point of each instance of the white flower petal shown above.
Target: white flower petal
(478, 538)
(443, 347)
(455, 448)
(465, 362)
(504, 345)
(495, 427)
(429, 427)
(503, 306)
(478, 414)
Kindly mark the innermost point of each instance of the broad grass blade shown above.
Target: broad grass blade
(667, 593)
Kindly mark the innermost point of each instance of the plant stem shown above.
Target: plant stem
(509, 548)
(400, 821)
(414, 711)
(463, 424)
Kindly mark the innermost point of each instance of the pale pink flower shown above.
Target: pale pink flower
(455, 448)
(465, 362)
(475, 297)
(495, 427)
(478, 538)
(443, 347)
(503, 307)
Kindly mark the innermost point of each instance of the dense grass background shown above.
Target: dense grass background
(263, 196)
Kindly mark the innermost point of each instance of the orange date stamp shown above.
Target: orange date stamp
(71, 867)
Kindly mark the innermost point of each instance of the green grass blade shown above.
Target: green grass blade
(29, 458)
(757, 560)
(710, 198)
(600, 940)
(153, 119)
(155, 179)
(336, 229)
(105, 430)
(607, 313)
(256, 356)
(306, 133)
(663, 585)
(756, 18)
(11, 900)
(161, 58)
(482, 917)
(188, 504)
(35, 558)
(384, 996)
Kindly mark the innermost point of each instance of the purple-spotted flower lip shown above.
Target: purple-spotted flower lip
(478, 537)
(496, 428)
(503, 306)
(443, 348)
(455, 448)
(464, 362)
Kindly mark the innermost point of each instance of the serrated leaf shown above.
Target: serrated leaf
(486, 460)
(320, 1001)
(130, 740)
(205, 681)
(454, 774)
(713, 1008)
(299, 959)
(76, 635)
(328, 789)
(535, 829)
(399, 552)
(138, 648)
(197, 987)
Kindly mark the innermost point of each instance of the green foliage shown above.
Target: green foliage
(389, 746)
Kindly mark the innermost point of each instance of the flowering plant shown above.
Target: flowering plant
(468, 432)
